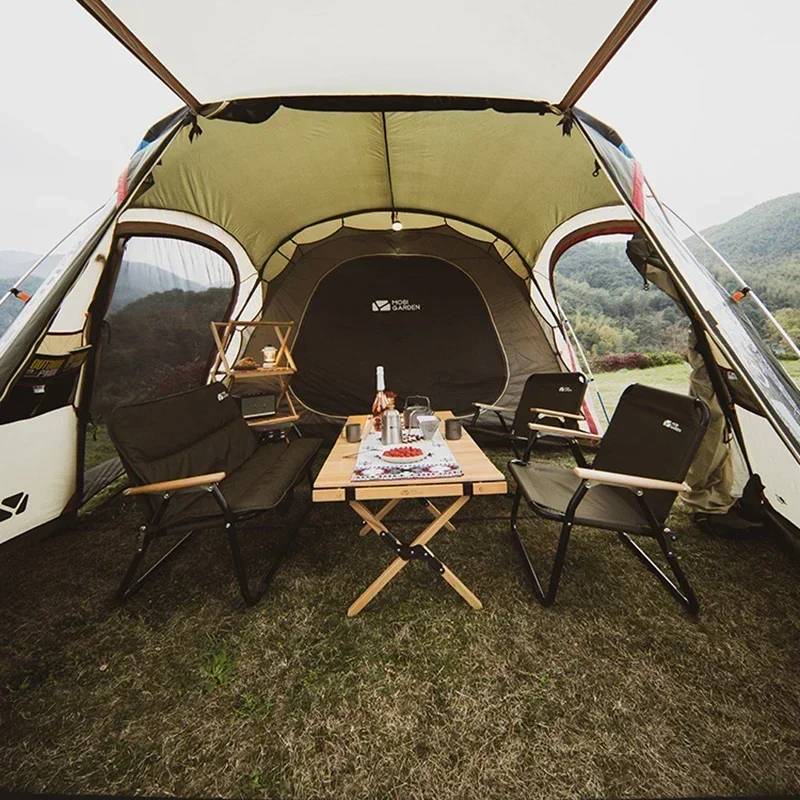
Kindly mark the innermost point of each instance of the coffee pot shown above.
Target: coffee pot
(391, 427)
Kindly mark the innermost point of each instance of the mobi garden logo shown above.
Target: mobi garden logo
(395, 305)
(16, 503)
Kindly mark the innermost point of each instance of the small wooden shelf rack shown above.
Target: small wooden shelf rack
(282, 373)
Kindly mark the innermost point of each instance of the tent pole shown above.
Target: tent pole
(587, 366)
(125, 36)
(742, 283)
(40, 261)
(622, 30)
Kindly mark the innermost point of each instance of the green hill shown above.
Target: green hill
(603, 294)
(158, 345)
(763, 245)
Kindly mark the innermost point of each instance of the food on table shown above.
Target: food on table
(403, 452)
(247, 363)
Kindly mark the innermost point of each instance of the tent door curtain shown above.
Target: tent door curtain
(421, 317)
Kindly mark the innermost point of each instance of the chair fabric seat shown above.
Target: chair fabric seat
(200, 432)
(551, 488)
(259, 484)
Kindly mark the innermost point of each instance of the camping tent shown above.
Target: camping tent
(290, 184)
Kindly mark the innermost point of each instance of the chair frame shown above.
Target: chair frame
(568, 420)
(680, 588)
(228, 517)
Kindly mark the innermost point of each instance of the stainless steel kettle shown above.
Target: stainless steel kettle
(413, 409)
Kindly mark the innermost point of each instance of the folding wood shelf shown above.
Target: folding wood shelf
(282, 373)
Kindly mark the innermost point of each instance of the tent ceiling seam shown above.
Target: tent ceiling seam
(388, 160)
(405, 210)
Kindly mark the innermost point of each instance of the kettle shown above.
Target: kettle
(413, 409)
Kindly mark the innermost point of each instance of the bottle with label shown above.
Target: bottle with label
(381, 402)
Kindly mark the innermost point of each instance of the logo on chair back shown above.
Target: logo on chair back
(673, 426)
(14, 504)
(564, 388)
(395, 305)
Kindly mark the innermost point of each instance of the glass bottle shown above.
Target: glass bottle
(381, 402)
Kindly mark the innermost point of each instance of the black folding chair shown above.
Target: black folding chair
(552, 398)
(638, 470)
(195, 464)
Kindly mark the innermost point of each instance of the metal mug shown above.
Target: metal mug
(352, 431)
(452, 429)
(269, 355)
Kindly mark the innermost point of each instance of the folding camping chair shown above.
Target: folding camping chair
(639, 468)
(553, 398)
(195, 464)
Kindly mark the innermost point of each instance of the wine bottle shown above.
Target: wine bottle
(380, 403)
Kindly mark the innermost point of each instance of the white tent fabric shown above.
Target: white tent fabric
(510, 48)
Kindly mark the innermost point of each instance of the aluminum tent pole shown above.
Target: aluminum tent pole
(742, 283)
(40, 261)
(582, 355)
(599, 61)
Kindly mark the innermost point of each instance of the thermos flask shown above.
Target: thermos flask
(391, 427)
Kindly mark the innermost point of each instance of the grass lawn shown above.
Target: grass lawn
(614, 691)
(674, 377)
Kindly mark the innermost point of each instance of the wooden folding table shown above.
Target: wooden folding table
(334, 484)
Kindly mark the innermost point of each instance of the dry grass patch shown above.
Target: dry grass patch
(612, 692)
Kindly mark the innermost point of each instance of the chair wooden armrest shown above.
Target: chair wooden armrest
(488, 407)
(631, 481)
(549, 412)
(567, 433)
(177, 485)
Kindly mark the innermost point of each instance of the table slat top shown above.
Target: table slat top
(337, 471)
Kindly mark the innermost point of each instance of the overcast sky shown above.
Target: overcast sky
(704, 93)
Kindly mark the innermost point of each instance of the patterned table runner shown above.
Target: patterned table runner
(437, 463)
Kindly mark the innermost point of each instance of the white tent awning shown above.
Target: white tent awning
(529, 49)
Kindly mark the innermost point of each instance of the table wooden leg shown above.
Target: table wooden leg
(397, 565)
(461, 588)
(434, 512)
(365, 529)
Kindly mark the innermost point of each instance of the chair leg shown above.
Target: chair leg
(129, 585)
(545, 598)
(240, 569)
(683, 592)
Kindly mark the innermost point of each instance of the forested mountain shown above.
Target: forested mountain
(599, 289)
(763, 245)
(14, 263)
(135, 281)
(603, 294)
(156, 345)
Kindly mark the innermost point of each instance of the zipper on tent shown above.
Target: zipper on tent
(746, 291)
(585, 362)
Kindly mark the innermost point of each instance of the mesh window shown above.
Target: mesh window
(157, 335)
